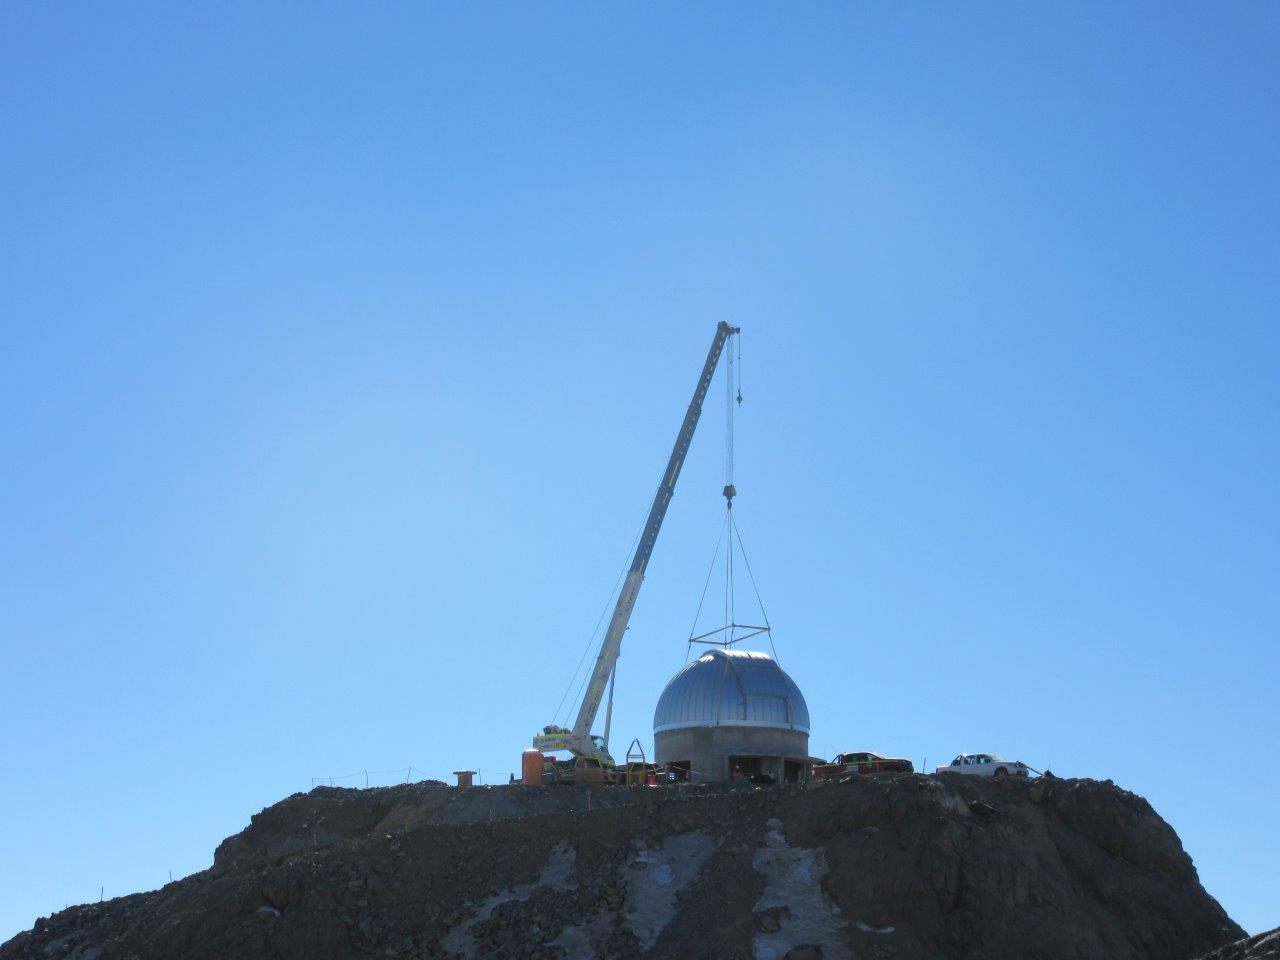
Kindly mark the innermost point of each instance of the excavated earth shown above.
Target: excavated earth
(898, 867)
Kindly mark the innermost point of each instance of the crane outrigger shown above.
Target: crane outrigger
(579, 740)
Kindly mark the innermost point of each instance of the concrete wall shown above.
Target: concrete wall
(708, 749)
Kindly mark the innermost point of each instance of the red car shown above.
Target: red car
(863, 762)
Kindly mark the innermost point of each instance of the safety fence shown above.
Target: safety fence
(401, 775)
(664, 774)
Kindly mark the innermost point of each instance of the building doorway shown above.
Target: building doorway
(752, 769)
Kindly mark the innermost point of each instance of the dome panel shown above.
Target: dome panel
(731, 688)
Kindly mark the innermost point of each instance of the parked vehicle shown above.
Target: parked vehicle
(985, 765)
(862, 762)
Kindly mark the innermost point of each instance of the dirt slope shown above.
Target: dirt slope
(888, 867)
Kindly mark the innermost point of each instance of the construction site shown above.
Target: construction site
(732, 840)
(621, 482)
(730, 714)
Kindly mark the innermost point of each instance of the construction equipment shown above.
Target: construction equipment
(592, 751)
(637, 771)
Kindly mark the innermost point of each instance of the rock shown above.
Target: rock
(771, 920)
(983, 809)
(1264, 946)
(911, 866)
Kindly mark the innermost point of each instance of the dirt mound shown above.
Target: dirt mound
(885, 867)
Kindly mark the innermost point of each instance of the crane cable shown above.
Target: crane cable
(729, 531)
(751, 576)
(591, 640)
(734, 531)
(732, 386)
(729, 491)
(706, 584)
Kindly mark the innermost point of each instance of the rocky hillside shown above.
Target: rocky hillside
(878, 867)
(1265, 946)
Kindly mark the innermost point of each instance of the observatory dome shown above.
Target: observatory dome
(731, 688)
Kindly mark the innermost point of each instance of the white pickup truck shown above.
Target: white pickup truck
(985, 765)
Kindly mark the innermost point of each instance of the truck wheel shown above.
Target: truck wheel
(1001, 772)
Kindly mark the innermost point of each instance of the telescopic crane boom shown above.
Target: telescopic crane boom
(579, 740)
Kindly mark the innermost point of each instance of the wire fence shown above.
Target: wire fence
(401, 775)
(368, 779)
(398, 776)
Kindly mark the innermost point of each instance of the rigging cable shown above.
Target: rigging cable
(752, 577)
(710, 570)
(595, 631)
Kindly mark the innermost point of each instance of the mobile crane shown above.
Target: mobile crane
(591, 753)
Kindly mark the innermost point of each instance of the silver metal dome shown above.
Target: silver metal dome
(733, 688)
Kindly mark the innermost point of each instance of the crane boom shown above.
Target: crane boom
(579, 740)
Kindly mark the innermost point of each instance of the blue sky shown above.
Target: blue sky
(341, 349)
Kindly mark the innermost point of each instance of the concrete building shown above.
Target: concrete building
(732, 714)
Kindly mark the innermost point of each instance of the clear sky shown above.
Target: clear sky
(342, 347)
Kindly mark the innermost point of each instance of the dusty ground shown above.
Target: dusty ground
(899, 867)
